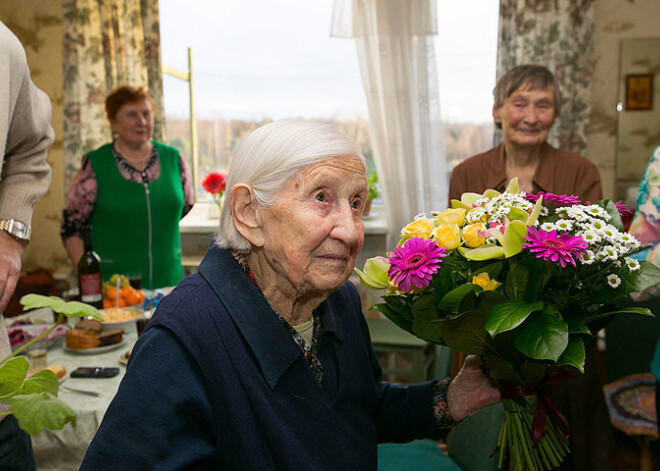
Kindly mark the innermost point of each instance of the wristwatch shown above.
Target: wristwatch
(16, 229)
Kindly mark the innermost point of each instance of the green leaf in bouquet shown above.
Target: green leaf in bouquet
(574, 354)
(466, 333)
(490, 193)
(487, 299)
(628, 310)
(509, 315)
(42, 381)
(533, 371)
(469, 199)
(513, 186)
(394, 316)
(517, 214)
(450, 301)
(399, 304)
(576, 324)
(533, 217)
(543, 335)
(69, 309)
(612, 210)
(539, 273)
(516, 280)
(648, 275)
(426, 324)
(500, 369)
(493, 269)
(482, 253)
(514, 236)
(13, 375)
(37, 411)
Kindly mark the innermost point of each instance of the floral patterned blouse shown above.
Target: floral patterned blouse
(646, 222)
(81, 195)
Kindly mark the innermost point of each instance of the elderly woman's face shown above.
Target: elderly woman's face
(134, 123)
(526, 116)
(314, 231)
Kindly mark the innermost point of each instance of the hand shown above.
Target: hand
(470, 390)
(10, 266)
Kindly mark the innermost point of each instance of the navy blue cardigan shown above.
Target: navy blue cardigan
(216, 382)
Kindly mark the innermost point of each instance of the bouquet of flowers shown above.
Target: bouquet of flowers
(522, 280)
(214, 184)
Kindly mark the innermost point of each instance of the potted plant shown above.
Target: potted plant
(374, 191)
(34, 400)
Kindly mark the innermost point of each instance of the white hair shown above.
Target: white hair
(271, 155)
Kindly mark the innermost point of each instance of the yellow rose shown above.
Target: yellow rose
(451, 216)
(483, 280)
(474, 235)
(419, 228)
(447, 236)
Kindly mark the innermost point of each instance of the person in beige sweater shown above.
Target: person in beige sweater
(25, 135)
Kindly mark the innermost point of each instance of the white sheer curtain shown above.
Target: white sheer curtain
(394, 40)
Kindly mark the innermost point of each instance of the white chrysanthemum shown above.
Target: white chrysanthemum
(609, 252)
(588, 257)
(596, 211)
(591, 237)
(564, 225)
(632, 264)
(597, 224)
(611, 233)
(613, 280)
(419, 216)
(544, 211)
(629, 240)
(548, 226)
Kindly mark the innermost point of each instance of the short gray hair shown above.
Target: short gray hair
(536, 77)
(271, 155)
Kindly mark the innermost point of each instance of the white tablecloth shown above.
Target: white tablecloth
(63, 450)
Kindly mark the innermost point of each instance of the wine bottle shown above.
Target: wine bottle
(89, 273)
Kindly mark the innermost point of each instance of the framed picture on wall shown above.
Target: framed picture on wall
(639, 92)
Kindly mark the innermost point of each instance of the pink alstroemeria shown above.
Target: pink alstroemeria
(414, 263)
(554, 200)
(624, 211)
(550, 246)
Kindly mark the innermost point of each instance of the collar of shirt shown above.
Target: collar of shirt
(266, 336)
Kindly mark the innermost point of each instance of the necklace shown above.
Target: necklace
(139, 162)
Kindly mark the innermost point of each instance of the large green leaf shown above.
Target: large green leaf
(37, 411)
(516, 280)
(399, 304)
(538, 276)
(394, 316)
(648, 275)
(509, 315)
(576, 325)
(628, 310)
(450, 301)
(487, 299)
(466, 333)
(615, 216)
(426, 324)
(12, 376)
(574, 354)
(493, 269)
(543, 335)
(69, 309)
(43, 381)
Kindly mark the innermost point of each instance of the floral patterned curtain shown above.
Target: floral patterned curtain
(107, 43)
(559, 35)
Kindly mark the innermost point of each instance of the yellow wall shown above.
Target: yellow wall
(38, 25)
(614, 21)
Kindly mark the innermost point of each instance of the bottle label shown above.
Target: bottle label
(90, 288)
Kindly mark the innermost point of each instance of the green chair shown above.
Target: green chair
(420, 455)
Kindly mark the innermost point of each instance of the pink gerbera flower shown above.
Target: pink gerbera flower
(624, 211)
(551, 198)
(415, 263)
(550, 246)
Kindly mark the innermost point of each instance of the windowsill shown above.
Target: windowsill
(197, 221)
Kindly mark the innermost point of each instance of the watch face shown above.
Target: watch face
(15, 228)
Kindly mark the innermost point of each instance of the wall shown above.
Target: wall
(38, 25)
(615, 20)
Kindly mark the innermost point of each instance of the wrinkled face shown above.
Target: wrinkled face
(314, 230)
(134, 123)
(526, 116)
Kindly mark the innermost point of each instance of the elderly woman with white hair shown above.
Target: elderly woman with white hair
(262, 359)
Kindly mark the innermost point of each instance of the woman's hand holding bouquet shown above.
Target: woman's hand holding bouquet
(520, 280)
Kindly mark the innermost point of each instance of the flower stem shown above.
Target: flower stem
(60, 318)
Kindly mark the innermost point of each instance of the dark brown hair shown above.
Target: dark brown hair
(123, 95)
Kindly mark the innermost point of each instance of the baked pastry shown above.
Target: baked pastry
(111, 336)
(59, 370)
(91, 325)
(82, 339)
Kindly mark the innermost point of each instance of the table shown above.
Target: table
(63, 450)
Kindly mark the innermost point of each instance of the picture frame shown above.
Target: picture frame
(639, 92)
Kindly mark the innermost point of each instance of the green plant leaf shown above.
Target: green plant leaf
(394, 316)
(535, 212)
(516, 281)
(482, 253)
(493, 269)
(514, 237)
(450, 301)
(13, 375)
(543, 335)
(615, 216)
(574, 354)
(487, 299)
(459, 204)
(490, 193)
(43, 381)
(399, 304)
(509, 315)
(468, 199)
(538, 275)
(466, 333)
(69, 309)
(517, 214)
(628, 310)
(35, 412)
(648, 275)
(576, 325)
(513, 186)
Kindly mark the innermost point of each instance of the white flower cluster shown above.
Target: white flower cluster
(494, 210)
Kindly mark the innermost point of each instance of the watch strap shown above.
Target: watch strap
(16, 229)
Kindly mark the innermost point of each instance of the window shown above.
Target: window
(254, 62)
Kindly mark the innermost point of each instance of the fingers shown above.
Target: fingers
(10, 267)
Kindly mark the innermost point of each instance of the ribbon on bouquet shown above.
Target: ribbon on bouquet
(544, 403)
